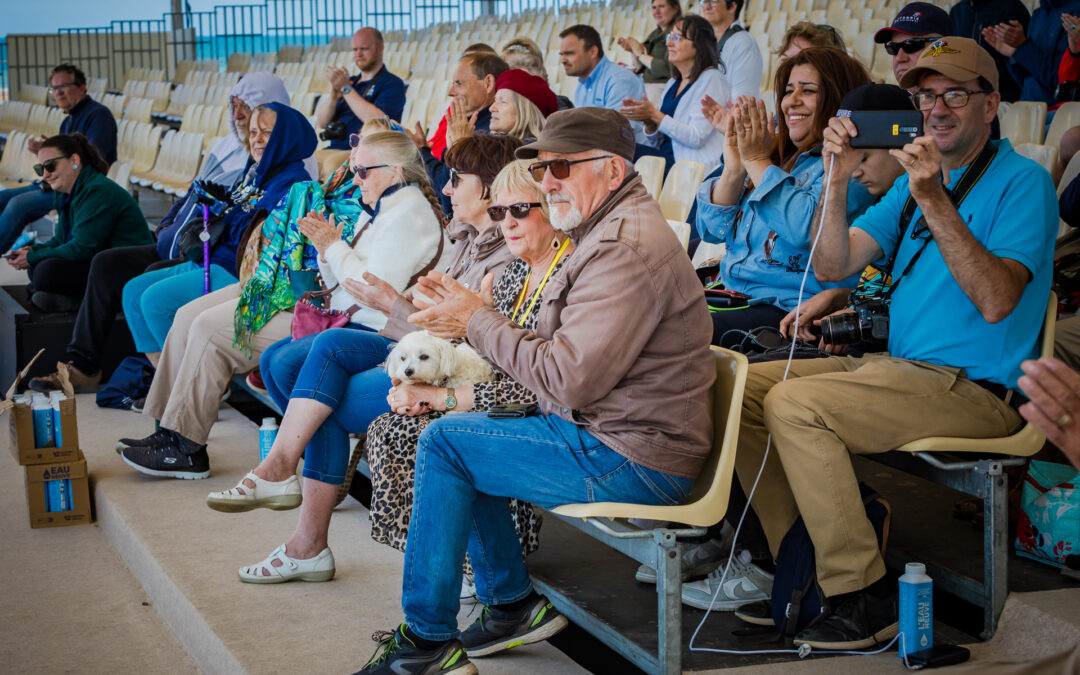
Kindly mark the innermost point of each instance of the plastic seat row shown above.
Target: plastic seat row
(206, 120)
(137, 143)
(178, 161)
(16, 162)
(33, 93)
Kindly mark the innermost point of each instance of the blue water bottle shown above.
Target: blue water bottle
(42, 413)
(267, 434)
(916, 610)
(54, 401)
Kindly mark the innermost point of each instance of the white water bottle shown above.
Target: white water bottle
(43, 421)
(267, 434)
(916, 610)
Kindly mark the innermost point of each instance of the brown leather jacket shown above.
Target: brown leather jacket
(622, 340)
(472, 256)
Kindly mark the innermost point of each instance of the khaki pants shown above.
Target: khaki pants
(198, 361)
(1067, 341)
(827, 409)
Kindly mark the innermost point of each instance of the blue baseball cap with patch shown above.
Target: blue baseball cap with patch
(917, 19)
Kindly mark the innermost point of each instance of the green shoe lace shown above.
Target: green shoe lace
(388, 645)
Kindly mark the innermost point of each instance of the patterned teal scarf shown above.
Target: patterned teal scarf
(269, 291)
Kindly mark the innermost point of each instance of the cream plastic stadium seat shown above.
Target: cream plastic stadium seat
(660, 548)
(682, 231)
(1066, 117)
(115, 103)
(14, 116)
(158, 93)
(263, 62)
(120, 173)
(145, 140)
(1023, 122)
(239, 62)
(54, 118)
(290, 54)
(138, 109)
(16, 162)
(651, 170)
(197, 77)
(682, 183)
(96, 86)
(1072, 170)
(305, 103)
(184, 96)
(32, 93)
(1045, 155)
(135, 88)
(37, 123)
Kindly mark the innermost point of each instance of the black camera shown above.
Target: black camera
(334, 131)
(868, 323)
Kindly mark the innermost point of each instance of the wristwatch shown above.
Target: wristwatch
(451, 401)
(346, 89)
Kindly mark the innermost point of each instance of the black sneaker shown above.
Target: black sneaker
(171, 457)
(137, 404)
(156, 437)
(54, 302)
(496, 629)
(398, 655)
(757, 613)
(858, 621)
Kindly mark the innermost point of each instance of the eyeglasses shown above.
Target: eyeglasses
(519, 210)
(560, 168)
(61, 87)
(48, 165)
(362, 171)
(909, 46)
(954, 98)
(674, 37)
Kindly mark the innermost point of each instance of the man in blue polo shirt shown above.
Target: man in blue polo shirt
(969, 284)
(375, 92)
(21, 206)
(601, 83)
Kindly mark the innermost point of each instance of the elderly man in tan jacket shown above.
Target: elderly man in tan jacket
(620, 362)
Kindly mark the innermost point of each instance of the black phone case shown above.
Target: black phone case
(886, 129)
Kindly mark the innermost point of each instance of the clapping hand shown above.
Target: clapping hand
(716, 113)
(1071, 24)
(375, 293)
(453, 307)
(755, 129)
(1054, 390)
(1005, 37)
(337, 76)
(459, 124)
(642, 111)
(321, 232)
(631, 45)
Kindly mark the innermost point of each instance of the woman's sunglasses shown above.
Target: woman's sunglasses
(560, 168)
(362, 171)
(455, 178)
(519, 210)
(909, 46)
(48, 165)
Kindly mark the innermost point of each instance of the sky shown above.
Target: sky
(17, 16)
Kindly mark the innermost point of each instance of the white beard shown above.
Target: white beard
(566, 219)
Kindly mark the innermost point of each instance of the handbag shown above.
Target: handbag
(1049, 525)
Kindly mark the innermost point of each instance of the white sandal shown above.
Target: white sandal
(319, 568)
(279, 496)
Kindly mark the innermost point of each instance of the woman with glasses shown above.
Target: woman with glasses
(678, 128)
(651, 57)
(804, 35)
(94, 214)
(338, 386)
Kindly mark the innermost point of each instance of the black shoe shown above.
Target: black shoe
(398, 655)
(758, 613)
(497, 629)
(171, 457)
(157, 436)
(54, 302)
(858, 621)
(1071, 568)
(137, 404)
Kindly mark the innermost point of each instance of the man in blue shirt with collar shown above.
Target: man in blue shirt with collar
(601, 83)
(375, 92)
(968, 297)
(22, 206)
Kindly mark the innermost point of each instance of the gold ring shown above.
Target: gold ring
(1064, 420)
(748, 128)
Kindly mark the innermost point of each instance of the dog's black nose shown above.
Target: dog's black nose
(408, 372)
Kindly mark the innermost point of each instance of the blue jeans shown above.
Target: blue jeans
(339, 368)
(18, 208)
(467, 465)
(151, 300)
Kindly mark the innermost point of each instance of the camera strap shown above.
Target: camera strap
(967, 181)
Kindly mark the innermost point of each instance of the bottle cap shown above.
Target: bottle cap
(915, 568)
(269, 421)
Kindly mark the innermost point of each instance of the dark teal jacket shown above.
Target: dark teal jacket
(96, 215)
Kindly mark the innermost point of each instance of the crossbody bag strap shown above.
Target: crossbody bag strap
(328, 292)
(431, 265)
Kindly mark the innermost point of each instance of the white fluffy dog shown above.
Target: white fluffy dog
(420, 357)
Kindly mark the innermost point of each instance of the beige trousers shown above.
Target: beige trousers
(827, 409)
(1067, 341)
(198, 361)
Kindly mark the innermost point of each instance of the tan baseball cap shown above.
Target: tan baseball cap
(579, 129)
(957, 58)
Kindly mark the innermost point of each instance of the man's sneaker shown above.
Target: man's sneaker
(171, 457)
(80, 381)
(255, 381)
(696, 561)
(398, 655)
(858, 621)
(497, 629)
(137, 404)
(757, 613)
(745, 582)
(156, 437)
(54, 302)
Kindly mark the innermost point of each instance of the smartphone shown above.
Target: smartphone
(938, 655)
(886, 129)
(512, 410)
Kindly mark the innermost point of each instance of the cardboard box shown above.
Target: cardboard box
(21, 424)
(58, 494)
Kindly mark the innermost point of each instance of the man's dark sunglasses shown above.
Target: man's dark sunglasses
(560, 168)
(909, 46)
(48, 165)
(362, 171)
(519, 210)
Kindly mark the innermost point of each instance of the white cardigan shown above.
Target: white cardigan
(400, 242)
(692, 136)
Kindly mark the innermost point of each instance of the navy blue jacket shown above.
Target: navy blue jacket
(385, 91)
(95, 121)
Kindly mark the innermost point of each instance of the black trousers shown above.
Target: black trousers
(56, 275)
(108, 272)
(743, 319)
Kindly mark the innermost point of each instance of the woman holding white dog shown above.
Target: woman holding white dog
(521, 211)
(339, 386)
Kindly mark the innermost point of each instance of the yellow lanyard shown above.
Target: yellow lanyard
(536, 295)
